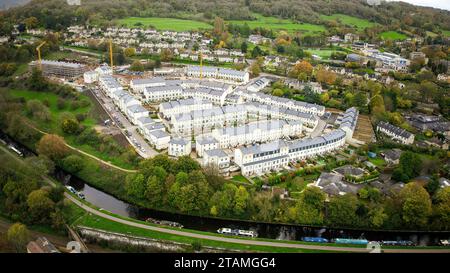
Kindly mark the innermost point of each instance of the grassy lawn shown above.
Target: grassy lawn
(280, 24)
(323, 53)
(165, 23)
(393, 35)
(54, 127)
(379, 162)
(359, 24)
(446, 32)
(240, 178)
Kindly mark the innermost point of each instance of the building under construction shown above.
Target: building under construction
(62, 69)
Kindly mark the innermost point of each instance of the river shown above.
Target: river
(265, 230)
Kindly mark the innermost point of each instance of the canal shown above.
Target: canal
(264, 230)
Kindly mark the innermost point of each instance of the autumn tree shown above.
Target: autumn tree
(129, 51)
(303, 67)
(19, 236)
(415, 205)
(326, 76)
(137, 66)
(52, 146)
(40, 206)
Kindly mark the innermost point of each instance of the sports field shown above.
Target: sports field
(280, 24)
(164, 23)
(393, 35)
(356, 22)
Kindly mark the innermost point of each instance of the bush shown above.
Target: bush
(73, 163)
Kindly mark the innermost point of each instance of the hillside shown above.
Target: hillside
(57, 14)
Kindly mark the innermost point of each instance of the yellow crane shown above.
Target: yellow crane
(38, 49)
(111, 55)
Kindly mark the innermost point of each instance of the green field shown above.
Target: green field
(323, 53)
(446, 33)
(393, 35)
(356, 22)
(164, 23)
(280, 24)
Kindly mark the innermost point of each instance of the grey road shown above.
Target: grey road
(134, 138)
(243, 241)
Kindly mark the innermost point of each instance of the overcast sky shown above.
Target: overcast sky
(441, 4)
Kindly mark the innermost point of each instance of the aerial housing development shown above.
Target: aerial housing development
(237, 127)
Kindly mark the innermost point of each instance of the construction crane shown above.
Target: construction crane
(201, 65)
(111, 55)
(38, 49)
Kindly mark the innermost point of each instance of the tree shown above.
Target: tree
(219, 26)
(415, 205)
(244, 47)
(137, 66)
(52, 146)
(73, 163)
(442, 209)
(256, 52)
(19, 236)
(303, 67)
(409, 167)
(360, 99)
(70, 126)
(31, 22)
(40, 206)
(342, 211)
(36, 81)
(166, 55)
(185, 164)
(277, 92)
(309, 208)
(129, 51)
(41, 164)
(255, 69)
(326, 76)
(38, 110)
(241, 200)
(154, 191)
(135, 185)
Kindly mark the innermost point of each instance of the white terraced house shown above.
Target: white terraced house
(216, 157)
(116, 95)
(149, 127)
(163, 93)
(264, 158)
(216, 96)
(262, 111)
(179, 147)
(284, 103)
(139, 85)
(135, 112)
(173, 108)
(348, 121)
(311, 147)
(395, 133)
(109, 84)
(259, 85)
(205, 143)
(198, 122)
(159, 138)
(263, 131)
(127, 100)
(218, 73)
(141, 122)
